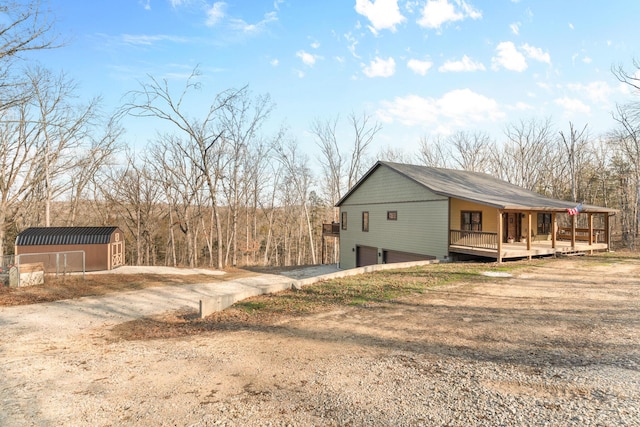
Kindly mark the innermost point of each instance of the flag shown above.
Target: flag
(576, 210)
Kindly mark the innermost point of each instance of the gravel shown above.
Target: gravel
(557, 346)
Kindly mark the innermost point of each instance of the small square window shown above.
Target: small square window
(392, 215)
(365, 221)
(344, 221)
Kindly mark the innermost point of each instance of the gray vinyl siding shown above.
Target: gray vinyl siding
(422, 225)
(385, 185)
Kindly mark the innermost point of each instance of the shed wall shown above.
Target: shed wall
(96, 256)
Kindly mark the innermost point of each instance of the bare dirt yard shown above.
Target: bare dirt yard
(557, 344)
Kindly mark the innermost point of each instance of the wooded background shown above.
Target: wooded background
(216, 190)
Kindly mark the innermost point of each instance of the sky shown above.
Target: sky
(420, 68)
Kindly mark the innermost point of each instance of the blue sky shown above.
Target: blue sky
(420, 68)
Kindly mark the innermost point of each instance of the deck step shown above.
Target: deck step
(570, 253)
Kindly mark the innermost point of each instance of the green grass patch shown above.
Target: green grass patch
(370, 289)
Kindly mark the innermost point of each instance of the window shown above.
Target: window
(392, 215)
(365, 221)
(544, 223)
(344, 221)
(471, 221)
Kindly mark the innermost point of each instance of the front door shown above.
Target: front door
(512, 226)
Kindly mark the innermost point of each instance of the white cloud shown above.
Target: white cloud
(216, 13)
(507, 56)
(383, 14)
(274, 62)
(438, 12)
(587, 60)
(458, 108)
(410, 110)
(465, 64)
(258, 27)
(307, 58)
(536, 53)
(315, 45)
(147, 40)
(381, 68)
(522, 106)
(571, 26)
(353, 42)
(515, 28)
(572, 106)
(598, 92)
(463, 105)
(419, 67)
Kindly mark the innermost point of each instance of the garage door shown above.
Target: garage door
(366, 255)
(390, 257)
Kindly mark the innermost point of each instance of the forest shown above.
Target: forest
(217, 190)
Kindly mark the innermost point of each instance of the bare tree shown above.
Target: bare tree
(575, 152)
(342, 167)
(241, 120)
(433, 153)
(298, 174)
(155, 99)
(525, 149)
(19, 140)
(95, 153)
(364, 133)
(25, 27)
(470, 151)
(63, 129)
(132, 191)
(181, 183)
(627, 136)
(395, 154)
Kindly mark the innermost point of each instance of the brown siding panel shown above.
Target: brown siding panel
(390, 257)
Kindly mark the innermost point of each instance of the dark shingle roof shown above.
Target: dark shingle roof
(476, 187)
(65, 236)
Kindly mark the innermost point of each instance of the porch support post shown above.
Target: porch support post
(607, 239)
(573, 231)
(529, 233)
(554, 228)
(590, 233)
(500, 225)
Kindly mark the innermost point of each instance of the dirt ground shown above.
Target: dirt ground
(537, 340)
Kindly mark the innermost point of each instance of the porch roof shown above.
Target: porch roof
(477, 187)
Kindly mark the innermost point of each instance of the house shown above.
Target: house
(63, 247)
(401, 212)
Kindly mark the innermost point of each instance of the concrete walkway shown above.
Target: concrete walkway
(60, 320)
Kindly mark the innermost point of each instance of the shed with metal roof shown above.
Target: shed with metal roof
(103, 247)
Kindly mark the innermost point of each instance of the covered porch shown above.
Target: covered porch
(557, 240)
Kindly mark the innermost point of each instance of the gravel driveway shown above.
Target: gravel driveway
(558, 345)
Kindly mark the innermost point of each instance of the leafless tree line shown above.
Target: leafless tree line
(216, 189)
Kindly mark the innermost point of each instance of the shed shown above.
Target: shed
(103, 246)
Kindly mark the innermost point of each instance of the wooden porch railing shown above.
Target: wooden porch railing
(582, 234)
(473, 239)
(331, 230)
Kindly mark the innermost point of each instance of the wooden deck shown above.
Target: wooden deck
(519, 250)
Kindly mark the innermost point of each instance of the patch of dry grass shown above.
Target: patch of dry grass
(75, 286)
